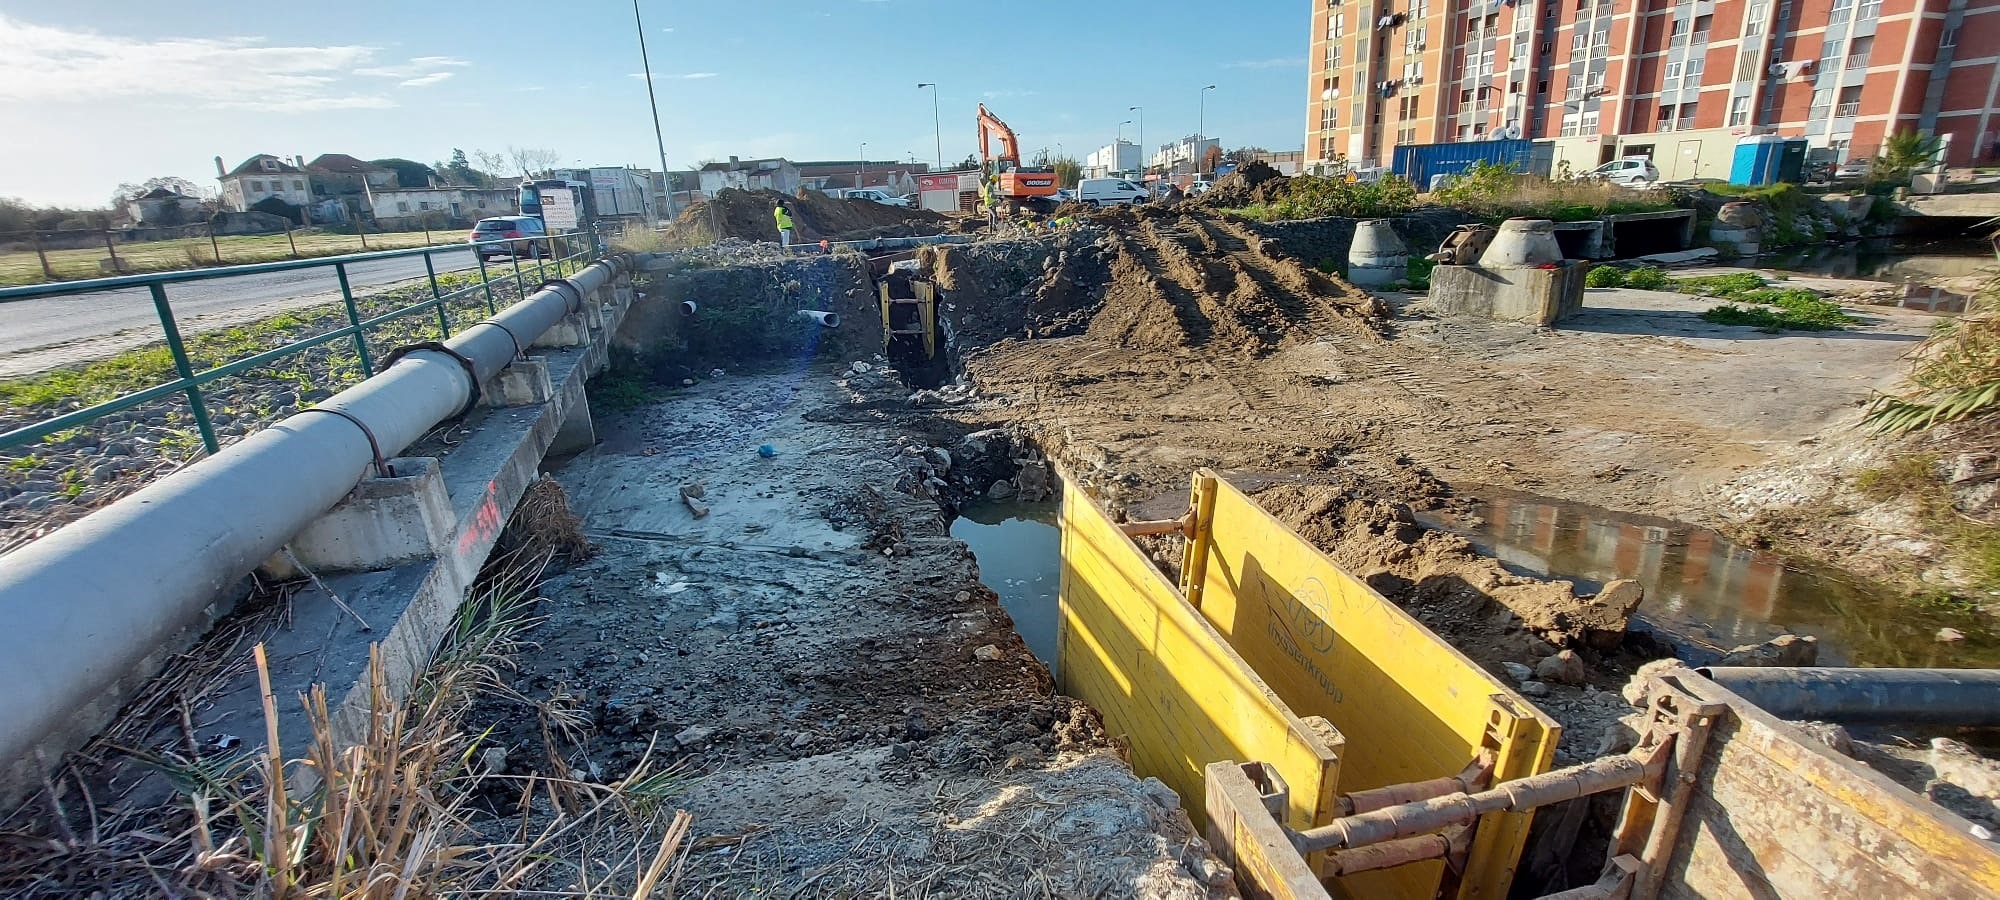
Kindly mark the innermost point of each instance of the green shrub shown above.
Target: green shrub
(1312, 197)
(1785, 312)
(1729, 285)
(1418, 273)
(1648, 278)
(1605, 277)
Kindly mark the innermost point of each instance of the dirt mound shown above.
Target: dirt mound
(747, 215)
(1239, 188)
(1181, 278)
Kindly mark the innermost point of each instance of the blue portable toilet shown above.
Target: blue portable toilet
(1757, 160)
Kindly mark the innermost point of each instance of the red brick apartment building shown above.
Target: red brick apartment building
(1679, 80)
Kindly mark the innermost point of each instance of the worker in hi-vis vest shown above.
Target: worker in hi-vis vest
(986, 200)
(784, 217)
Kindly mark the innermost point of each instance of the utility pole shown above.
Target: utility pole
(666, 174)
(862, 166)
(1201, 126)
(937, 129)
(1142, 140)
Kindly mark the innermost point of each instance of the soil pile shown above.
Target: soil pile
(747, 215)
(1240, 188)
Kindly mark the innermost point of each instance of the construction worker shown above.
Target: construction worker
(986, 200)
(784, 217)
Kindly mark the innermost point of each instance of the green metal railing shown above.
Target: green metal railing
(562, 253)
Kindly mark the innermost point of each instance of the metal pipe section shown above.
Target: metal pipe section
(1519, 795)
(1868, 696)
(86, 604)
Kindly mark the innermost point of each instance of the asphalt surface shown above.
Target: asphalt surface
(47, 332)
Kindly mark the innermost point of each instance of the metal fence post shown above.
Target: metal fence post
(354, 320)
(215, 246)
(291, 240)
(485, 281)
(113, 250)
(437, 297)
(541, 261)
(521, 285)
(183, 368)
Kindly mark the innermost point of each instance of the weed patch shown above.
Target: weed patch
(1919, 480)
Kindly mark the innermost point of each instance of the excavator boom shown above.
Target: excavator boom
(1014, 182)
(990, 126)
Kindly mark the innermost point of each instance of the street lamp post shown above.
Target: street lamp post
(1200, 130)
(666, 175)
(937, 130)
(1142, 139)
(862, 166)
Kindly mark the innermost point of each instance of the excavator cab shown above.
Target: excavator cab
(1015, 186)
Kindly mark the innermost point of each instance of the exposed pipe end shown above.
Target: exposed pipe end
(825, 319)
(688, 307)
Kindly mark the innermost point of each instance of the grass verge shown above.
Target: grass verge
(24, 267)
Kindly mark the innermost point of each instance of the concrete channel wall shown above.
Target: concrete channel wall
(99, 607)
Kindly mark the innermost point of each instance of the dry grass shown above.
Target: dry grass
(23, 267)
(399, 813)
(543, 519)
(1956, 373)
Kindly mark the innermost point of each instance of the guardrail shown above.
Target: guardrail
(565, 253)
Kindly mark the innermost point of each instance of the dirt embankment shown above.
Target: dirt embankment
(746, 215)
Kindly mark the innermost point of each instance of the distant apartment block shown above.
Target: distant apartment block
(1678, 80)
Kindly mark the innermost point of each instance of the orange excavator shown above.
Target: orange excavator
(1015, 186)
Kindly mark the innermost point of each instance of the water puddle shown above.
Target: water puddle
(1020, 557)
(1705, 594)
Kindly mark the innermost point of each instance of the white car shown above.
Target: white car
(876, 196)
(1630, 171)
(1102, 192)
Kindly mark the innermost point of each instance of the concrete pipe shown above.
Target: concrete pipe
(1377, 257)
(86, 605)
(1868, 696)
(688, 307)
(1522, 244)
(825, 319)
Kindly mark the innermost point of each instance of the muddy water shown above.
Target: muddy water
(1884, 260)
(1705, 594)
(1020, 557)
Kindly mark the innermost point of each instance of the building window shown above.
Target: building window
(1578, 41)
(1842, 11)
(1680, 33)
(1486, 63)
(1569, 124)
(1420, 9)
(1601, 38)
(257, 186)
(1329, 117)
(1687, 114)
(1548, 47)
(1593, 82)
(1857, 52)
(1542, 88)
(1336, 25)
(1666, 122)
(1465, 97)
(1753, 21)
(1949, 38)
(1694, 67)
(424, 204)
(1850, 102)
(1701, 25)
(402, 206)
(1739, 110)
(1822, 100)
(268, 164)
(1589, 124)
(298, 185)
(482, 202)
(1573, 89)
(1673, 73)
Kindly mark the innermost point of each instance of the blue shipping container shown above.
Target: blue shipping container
(1421, 163)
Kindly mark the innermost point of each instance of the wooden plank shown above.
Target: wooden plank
(1412, 707)
(1775, 813)
(1163, 679)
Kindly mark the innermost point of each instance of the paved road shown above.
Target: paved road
(40, 334)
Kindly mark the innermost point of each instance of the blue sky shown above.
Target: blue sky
(98, 92)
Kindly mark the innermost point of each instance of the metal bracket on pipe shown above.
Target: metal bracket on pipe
(574, 293)
(518, 352)
(382, 467)
(1184, 526)
(472, 394)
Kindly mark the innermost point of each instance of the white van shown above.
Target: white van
(1109, 192)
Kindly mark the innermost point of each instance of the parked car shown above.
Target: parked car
(500, 227)
(1065, 195)
(1200, 187)
(1852, 170)
(874, 195)
(1109, 192)
(1630, 171)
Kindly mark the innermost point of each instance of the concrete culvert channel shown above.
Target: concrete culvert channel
(819, 610)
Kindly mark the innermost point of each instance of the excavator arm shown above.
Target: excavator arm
(990, 126)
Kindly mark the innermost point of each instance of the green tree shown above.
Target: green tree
(460, 170)
(1068, 171)
(1904, 154)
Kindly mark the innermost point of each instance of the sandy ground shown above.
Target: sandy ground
(856, 713)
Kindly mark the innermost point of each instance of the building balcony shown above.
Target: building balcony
(1847, 110)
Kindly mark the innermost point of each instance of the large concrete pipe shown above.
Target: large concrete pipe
(1377, 257)
(1868, 696)
(87, 604)
(1523, 244)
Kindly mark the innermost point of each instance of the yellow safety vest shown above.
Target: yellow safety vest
(784, 221)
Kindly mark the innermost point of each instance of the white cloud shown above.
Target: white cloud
(1282, 62)
(691, 76)
(425, 80)
(60, 65)
(419, 65)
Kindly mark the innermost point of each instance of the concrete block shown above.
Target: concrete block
(383, 522)
(525, 382)
(1531, 295)
(572, 331)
